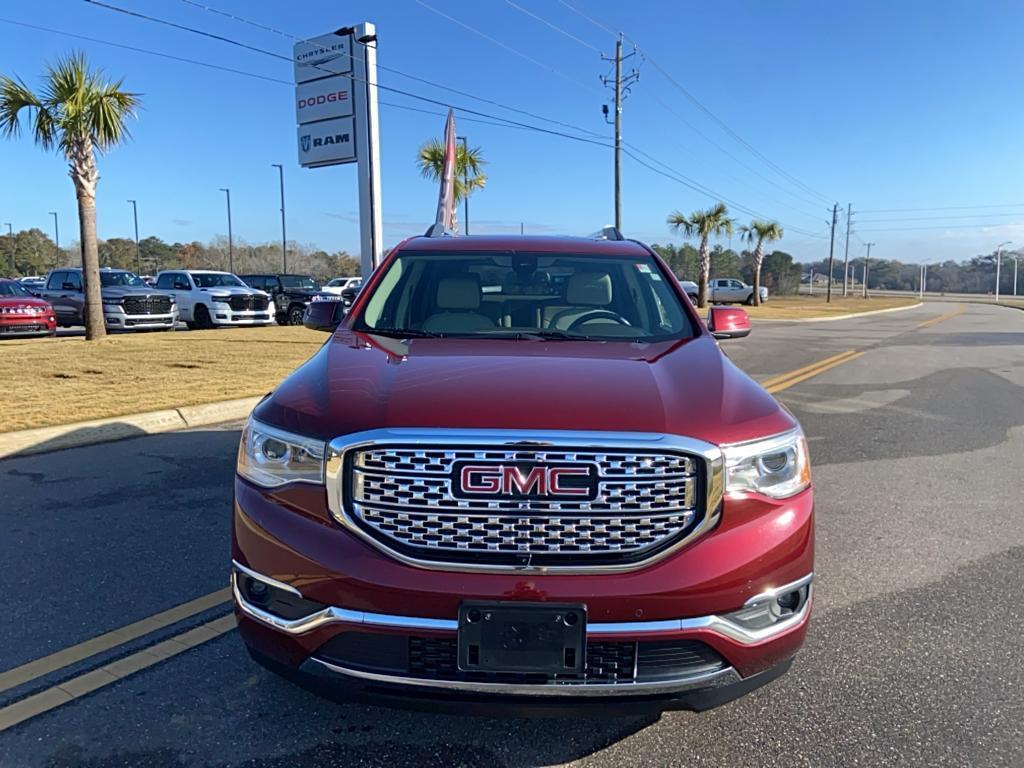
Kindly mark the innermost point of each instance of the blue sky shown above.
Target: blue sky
(883, 105)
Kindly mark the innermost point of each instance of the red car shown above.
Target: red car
(522, 475)
(22, 314)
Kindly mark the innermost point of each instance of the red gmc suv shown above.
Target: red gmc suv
(522, 475)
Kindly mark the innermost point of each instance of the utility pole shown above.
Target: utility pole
(831, 252)
(920, 281)
(231, 245)
(284, 239)
(620, 86)
(10, 236)
(846, 254)
(465, 181)
(864, 274)
(56, 237)
(999, 262)
(138, 254)
(1015, 257)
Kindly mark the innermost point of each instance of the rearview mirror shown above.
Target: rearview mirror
(728, 322)
(324, 315)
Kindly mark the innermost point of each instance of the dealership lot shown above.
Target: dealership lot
(916, 423)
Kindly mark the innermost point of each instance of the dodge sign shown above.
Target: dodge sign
(323, 99)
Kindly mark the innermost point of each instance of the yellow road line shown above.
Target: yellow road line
(55, 661)
(825, 366)
(770, 382)
(936, 320)
(58, 695)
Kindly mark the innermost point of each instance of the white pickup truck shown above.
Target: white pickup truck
(207, 298)
(725, 291)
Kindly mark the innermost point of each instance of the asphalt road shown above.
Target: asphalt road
(915, 655)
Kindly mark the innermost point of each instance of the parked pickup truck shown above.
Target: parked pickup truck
(523, 474)
(128, 303)
(208, 298)
(291, 294)
(725, 291)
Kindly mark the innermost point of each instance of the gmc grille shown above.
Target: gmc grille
(408, 499)
(146, 305)
(250, 303)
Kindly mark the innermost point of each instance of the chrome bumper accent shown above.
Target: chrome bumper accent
(714, 679)
(632, 629)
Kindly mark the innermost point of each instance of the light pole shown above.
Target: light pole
(864, 276)
(465, 179)
(10, 236)
(284, 239)
(56, 237)
(231, 245)
(999, 261)
(138, 254)
(1015, 257)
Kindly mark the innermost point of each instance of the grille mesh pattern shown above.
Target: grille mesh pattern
(405, 496)
(243, 303)
(147, 305)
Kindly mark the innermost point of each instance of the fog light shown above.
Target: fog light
(768, 609)
(790, 601)
(257, 591)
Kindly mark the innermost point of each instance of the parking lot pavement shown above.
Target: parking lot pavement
(915, 654)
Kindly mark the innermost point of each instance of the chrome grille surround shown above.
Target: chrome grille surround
(392, 488)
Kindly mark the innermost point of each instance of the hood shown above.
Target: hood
(117, 291)
(358, 382)
(234, 290)
(14, 302)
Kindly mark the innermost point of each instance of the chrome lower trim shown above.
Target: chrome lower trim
(265, 579)
(714, 482)
(633, 629)
(714, 679)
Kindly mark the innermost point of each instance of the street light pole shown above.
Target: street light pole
(56, 237)
(864, 275)
(465, 181)
(10, 236)
(231, 245)
(284, 239)
(138, 254)
(999, 261)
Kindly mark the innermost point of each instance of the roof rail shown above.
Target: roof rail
(608, 232)
(438, 230)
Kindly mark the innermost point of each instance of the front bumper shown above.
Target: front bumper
(28, 325)
(116, 319)
(287, 539)
(222, 314)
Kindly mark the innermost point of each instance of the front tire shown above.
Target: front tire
(750, 300)
(295, 315)
(203, 319)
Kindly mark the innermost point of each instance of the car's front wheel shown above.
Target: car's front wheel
(295, 315)
(203, 319)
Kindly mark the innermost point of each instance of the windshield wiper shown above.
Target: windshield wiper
(403, 333)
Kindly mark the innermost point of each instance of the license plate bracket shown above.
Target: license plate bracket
(545, 638)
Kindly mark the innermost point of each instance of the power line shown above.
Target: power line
(558, 29)
(945, 218)
(511, 49)
(945, 208)
(504, 122)
(233, 17)
(701, 106)
(947, 226)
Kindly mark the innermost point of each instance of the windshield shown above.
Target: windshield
(215, 279)
(13, 289)
(108, 279)
(522, 295)
(299, 282)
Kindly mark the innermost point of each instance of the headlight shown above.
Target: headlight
(776, 466)
(220, 299)
(270, 457)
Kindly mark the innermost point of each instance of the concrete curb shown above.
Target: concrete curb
(46, 439)
(839, 317)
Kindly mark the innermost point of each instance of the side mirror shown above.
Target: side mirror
(323, 315)
(728, 322)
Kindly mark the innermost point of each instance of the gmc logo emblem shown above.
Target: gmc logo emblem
(525, 481)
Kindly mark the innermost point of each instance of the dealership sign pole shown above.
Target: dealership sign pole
(338, 122)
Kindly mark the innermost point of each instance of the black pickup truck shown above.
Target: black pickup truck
(291, 294)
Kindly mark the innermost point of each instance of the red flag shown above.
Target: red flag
(446, 197)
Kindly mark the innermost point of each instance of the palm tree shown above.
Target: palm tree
(78, 112)
(469, 163)
(703, 224)
(760, 232)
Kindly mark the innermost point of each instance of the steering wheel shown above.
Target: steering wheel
(597, 314)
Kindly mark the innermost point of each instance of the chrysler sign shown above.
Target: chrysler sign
(323, 99)
(322, 57)
(327, 142)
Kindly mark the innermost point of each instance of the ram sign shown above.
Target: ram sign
(327, 142)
